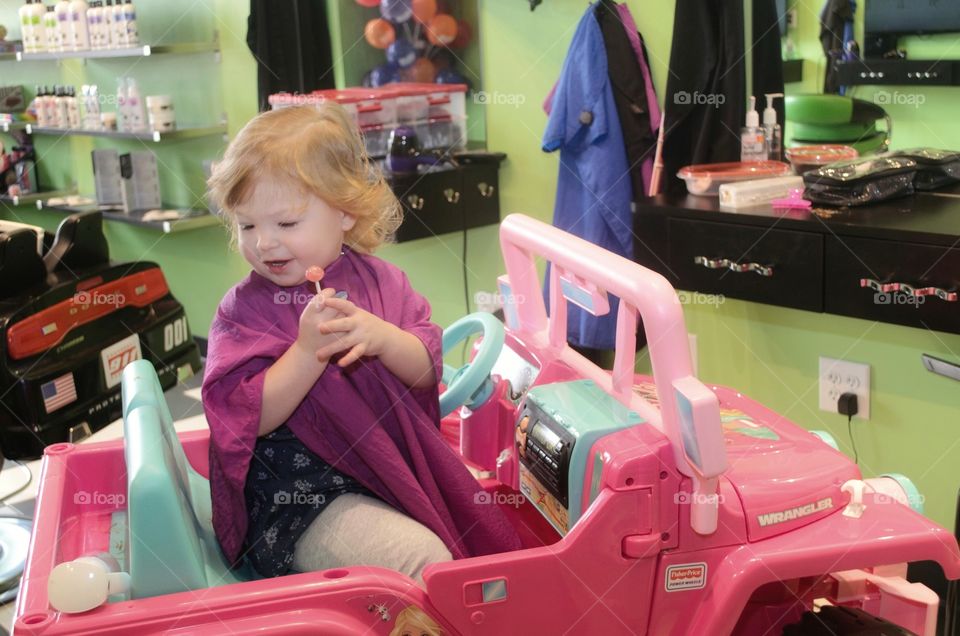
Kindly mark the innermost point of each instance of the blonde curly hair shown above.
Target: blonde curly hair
(317, 148)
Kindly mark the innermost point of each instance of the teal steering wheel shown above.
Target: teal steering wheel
(470, 385)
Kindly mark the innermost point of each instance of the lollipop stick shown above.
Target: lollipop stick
(315, 274)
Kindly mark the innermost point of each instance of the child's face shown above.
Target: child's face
(283, 231)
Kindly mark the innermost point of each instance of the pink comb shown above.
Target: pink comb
(793, 201)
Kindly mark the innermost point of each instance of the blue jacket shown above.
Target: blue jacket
(594, 190)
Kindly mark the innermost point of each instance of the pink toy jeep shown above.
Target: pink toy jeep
(646, 505)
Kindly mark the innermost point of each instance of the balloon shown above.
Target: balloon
(424, 10)
(442, 29)
(379, 33)
(464, 35)
(368, 3)
(384, 74)
(422, 70)
(401, 53)
(396, 10)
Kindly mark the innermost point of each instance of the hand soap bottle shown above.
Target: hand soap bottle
(772, 132)
(752, 144)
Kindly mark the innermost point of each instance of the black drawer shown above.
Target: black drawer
(786, 266)
(481, 194)
(431, 204)
(850, 260)
(447, 201)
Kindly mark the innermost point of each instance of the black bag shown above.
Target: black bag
(860, 182)
(935, 168)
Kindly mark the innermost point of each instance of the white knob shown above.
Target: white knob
(856, 506)
(85, 583)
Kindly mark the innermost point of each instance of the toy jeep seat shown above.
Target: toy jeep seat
(171, 546)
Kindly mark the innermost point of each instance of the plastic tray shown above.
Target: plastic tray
(706, 179)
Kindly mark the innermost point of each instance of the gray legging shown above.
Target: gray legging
(359, 530)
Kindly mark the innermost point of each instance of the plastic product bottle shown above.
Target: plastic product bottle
(63, 110)
(131, 36)
(50, 27)
(138, 118)
(123, 111)
(752, 144)
(26, 27)
(91, 107)
(62, 11)
(73, 108)
(37, 11)
(109, 37)
(772, 133)
(119, 25)
(94, 19)
(78, 25)
(49, 108)
(37, 106)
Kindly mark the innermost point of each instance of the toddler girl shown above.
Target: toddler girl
(325, 448)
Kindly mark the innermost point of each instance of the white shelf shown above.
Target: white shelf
(144, 50)
(35, 197)
(180, 133)
(190, 219)
(7, 126)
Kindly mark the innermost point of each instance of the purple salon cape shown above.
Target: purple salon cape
(362, 420)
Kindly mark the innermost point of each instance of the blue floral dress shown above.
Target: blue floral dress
(287, 488)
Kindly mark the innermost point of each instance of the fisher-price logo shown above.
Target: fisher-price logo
(687, 576)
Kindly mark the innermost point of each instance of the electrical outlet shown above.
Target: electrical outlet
(840, 376)
(792, 19)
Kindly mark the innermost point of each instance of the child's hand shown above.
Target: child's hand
(359, 331)
(316, 313)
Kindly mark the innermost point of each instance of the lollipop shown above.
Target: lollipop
(315, 275)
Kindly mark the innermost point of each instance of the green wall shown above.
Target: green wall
(769, 353)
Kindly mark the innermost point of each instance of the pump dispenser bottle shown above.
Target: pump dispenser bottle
(772, 133)
(752, 144)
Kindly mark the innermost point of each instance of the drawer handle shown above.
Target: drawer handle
(486, 190)
(916, 292)
(451, 195)
(721, 263)
(415, 201)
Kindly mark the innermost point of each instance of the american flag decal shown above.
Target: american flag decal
(58, 393)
